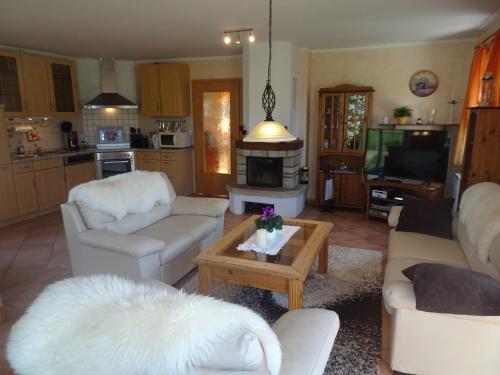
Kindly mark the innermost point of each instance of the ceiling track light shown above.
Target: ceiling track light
(228, 35)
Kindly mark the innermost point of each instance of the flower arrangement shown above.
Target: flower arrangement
(269, 220)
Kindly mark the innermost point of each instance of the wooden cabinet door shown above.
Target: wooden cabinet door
(27, 201)
(50, 187)
(36, 84)
(175, 90)
(4, 141)
(357, 105)
(79, 174)
(63, 87)
(148, 165)
(352, 190)
(8, 204)
(11, 84)
(331, 123)
(149, 89)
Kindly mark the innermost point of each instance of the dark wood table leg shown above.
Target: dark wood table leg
(323, 258)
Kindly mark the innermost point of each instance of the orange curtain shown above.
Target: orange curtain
(486, 60)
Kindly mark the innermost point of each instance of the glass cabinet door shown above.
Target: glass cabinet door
(331, 132)
(356, 122)
(11, 88)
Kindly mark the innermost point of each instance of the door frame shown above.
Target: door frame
(235, 135)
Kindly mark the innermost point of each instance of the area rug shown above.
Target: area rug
(352, 288)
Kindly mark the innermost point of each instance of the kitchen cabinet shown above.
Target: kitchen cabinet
(4, 140)
(50, 187)
(11, 84)
(63, 86)
(8, 204)
(36, 84)
(344, 115)
(78, 174)
(164, 89)
(26, 192)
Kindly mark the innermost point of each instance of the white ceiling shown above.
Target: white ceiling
(147, 29)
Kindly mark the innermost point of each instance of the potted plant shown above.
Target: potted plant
(267, 225)
(402, 114)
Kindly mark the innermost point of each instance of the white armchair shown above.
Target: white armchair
(159, 244)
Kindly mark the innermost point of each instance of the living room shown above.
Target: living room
(333, 182)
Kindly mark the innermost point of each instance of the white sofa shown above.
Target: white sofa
(426, 343)
(160, 244)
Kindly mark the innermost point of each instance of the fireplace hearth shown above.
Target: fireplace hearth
(264, 171)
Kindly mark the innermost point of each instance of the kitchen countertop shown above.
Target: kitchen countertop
(53, 154)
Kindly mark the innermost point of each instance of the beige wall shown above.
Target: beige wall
(388, 71)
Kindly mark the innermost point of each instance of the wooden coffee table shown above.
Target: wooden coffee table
(284, 272)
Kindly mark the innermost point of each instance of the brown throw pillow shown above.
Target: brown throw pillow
(427, 217)
(450, 290)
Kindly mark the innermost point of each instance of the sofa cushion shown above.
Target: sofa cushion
(94, 219)
(427, 217)
(444, 289)
(425, 248)
(196, 225)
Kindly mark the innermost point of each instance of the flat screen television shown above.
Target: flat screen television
(408, 154)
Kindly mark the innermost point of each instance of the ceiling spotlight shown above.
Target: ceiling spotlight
(238, 40)
(251, 37)
(227, 38)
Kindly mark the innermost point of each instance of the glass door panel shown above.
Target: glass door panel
(63, 87)
(10, 87)
(217, 132)
(355, 127)
(332, 124)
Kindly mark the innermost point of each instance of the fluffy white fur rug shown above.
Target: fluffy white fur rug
(108, 325)
(129, 193)
(480, 213)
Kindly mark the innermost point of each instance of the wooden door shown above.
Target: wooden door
(174, 90)
(8, 205)
(36, 83)
(216, 119)
(63, 86)
(11, 84)
(352, 190)
(50, 187)
(27, 201)
(78, 174)
(149, 89)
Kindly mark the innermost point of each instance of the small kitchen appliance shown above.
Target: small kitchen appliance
(175, 139)
(111, 138)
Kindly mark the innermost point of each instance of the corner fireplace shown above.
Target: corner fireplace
(264, 171)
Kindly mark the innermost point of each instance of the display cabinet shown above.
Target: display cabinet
(344, 115)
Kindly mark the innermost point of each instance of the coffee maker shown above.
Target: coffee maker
(70, 138)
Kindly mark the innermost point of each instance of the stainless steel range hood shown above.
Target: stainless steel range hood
(109, 98)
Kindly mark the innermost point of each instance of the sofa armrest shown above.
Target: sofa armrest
(199, 206)
(133, 245)
(393, 218)
(306, 337)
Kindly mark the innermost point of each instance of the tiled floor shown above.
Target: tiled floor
(34, 254)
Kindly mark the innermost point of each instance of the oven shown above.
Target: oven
(114, 162)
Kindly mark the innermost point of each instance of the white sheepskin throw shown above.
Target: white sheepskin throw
(480, 213)
(128, 193)
(105, 325)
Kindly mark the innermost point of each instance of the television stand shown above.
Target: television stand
(390, 193)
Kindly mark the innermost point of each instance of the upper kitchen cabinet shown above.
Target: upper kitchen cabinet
(63, 86)
(164, 89)
(36, 84)
(11, 84)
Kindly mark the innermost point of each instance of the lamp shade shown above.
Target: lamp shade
(269, 131)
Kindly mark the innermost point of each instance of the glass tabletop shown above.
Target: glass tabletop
(287, 254)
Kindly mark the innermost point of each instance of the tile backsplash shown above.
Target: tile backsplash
(94, 118)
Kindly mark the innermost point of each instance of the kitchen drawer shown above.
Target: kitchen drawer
(169, 156)
(147, 155)
(47, 164)
(148, 165)
(169, 168)
(22, 167)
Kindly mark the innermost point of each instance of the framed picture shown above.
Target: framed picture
(423, 83)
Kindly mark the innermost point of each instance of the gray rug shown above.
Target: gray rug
(352, 288)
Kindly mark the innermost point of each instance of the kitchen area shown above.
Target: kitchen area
(50, 141)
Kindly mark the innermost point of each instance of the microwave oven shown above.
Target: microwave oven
(175, 140)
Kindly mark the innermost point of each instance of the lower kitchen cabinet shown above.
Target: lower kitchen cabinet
(27, 201)
(148, 165)
(78, 174)
(8, 203)
(50, 187)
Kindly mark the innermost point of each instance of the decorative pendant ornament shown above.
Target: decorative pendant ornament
(269, 130)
